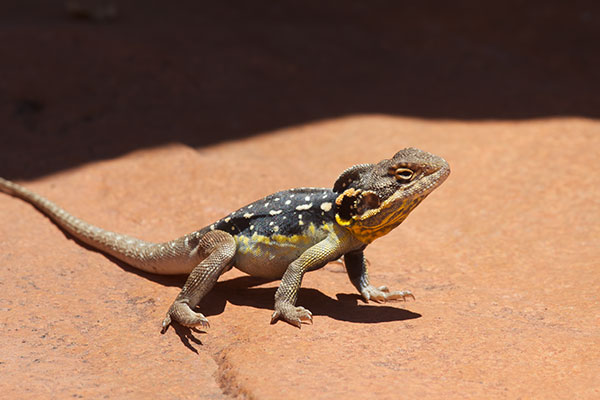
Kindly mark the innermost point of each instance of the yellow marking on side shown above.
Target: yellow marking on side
(293, 239)
(256, 238)
(254, 243)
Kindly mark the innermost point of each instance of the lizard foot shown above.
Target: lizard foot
(182, 313)
(383, 294)
(291, 314)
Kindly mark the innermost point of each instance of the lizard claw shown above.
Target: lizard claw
(291, 314)
(383, 294)
(165, 324)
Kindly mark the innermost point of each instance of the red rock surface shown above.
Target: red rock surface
(503, 258)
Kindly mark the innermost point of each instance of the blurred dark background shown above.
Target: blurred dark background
(78, 84)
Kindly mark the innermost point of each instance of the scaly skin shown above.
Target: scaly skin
(283, 235)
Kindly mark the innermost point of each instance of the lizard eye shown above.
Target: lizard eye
(403, 174)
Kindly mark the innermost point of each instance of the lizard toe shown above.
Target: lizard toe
(181, 312)
(383, 294)
(165, 324)
(293, 315)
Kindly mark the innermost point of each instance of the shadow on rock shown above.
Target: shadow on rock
(241, 292)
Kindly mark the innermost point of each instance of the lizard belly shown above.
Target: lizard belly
(269, 257)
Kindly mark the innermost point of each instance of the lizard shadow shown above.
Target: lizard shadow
(186, 336)
(241, 291)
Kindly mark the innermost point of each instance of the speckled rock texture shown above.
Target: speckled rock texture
(159, 120)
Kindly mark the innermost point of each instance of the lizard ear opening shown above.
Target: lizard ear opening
(355, 202)
(367, 201)
(350, 175)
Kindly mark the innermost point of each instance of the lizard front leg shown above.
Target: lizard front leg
(356, 267)
(217, 248)
(287, 293)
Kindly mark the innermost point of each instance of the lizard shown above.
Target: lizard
(282, 236)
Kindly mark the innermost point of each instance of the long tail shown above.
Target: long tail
(178, 256)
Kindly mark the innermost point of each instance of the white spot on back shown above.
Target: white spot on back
(275, 212)
(250, 206)
(267, 204)
(299, 216)
(307, 198)
(271, 223)
(276, 199)
(288, 202)
(212, 227)
(300, 223)
(304, 207)
(326, 206)
(248, 215)
(275, 228)
(251, 227)
(227, 219)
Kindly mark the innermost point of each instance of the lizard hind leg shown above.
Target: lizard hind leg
(218, 250)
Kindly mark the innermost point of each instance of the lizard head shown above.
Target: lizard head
(375, 198)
